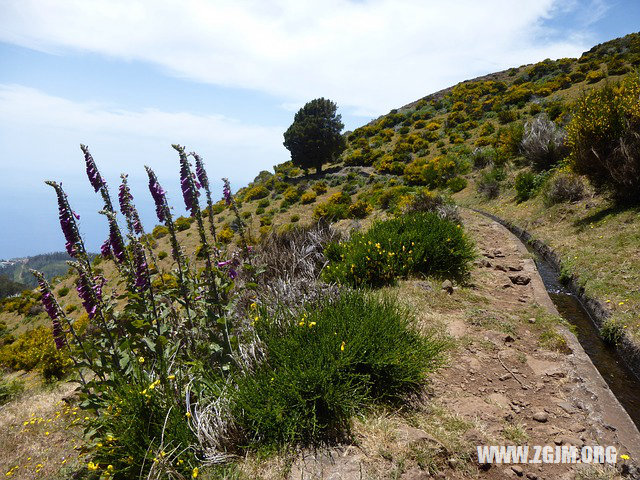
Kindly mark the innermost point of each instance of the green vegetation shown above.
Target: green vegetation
(9, 287)
(604, 136)
(314, 136)
(417, 243)
(328, 363)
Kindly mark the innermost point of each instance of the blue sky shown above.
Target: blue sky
(225, 78)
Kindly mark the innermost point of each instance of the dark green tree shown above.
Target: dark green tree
(314, 136)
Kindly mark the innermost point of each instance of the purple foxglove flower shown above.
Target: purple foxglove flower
(226, 191)
(115, 240)
(67, 221)
(127, 208)
(189, 191)
(58, 334)
(232, 273)
(142, 273)
(105, 249)
(201, 173)
(89, 294)
(158, 195)
(224, 264)
(92, 170)
(53, 310)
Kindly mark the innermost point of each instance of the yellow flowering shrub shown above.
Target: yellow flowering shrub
(604, 138)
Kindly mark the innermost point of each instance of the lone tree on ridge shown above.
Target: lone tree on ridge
(314, 136)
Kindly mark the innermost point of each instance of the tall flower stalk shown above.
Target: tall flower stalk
(55, 313)
(164, 215)
(96, 180)
(68, 223)
(190, 194)
(203, 178)
(128, 209)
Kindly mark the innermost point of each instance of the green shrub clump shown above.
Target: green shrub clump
(335, 208)
(604, 138)
(183, 223)
(565, 186)
(160, 231)
(256, 193)
(327, 364)
(308, 197)
(416, 243)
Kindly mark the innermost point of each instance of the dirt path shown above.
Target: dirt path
(517, 377)
(560, 387)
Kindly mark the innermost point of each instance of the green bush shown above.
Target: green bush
(183, 223)
(415, 243)
(320, 187)
(525, 185)
(255, 193)
(10, 390)
(611, 332)
(160, 231)
(457, 184)
(134, 436)
(360, 209)
(335, 208)
(295, 218)
(328, 364)
(604, 138)
(162, 254)
(489, 182)
(63, 292)
(291, 195)
(564, 187)
(308, 197)
(264, 203)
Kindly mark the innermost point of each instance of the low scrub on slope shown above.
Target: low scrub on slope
(412, 244)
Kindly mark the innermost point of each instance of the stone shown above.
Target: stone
(519, 279)
(517, 469)
(532, 476)
(517, 268)
(502, 268)
(541, 417)
(484, 263)
(447, 286)
(504, 377)
(532, 320)
(567, 407)
(509, 339)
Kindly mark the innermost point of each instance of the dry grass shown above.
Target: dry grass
(38, 434)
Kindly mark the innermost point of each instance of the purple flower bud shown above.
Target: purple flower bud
(115, 240)
(201, 173)
(67, 220)
(90, 293)
(158, 195)
(53, 310)
(189, 191)
(92, 170)
(105, 249)
(226, 191)
(232, 273)
(58, 334)
(127, 208)
(142, 272)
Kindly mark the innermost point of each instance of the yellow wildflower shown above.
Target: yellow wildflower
(194, 474)
(342, 346)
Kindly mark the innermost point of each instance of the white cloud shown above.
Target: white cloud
(368, 55)
(57, 123)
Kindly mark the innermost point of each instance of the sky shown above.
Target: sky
(225, 77)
